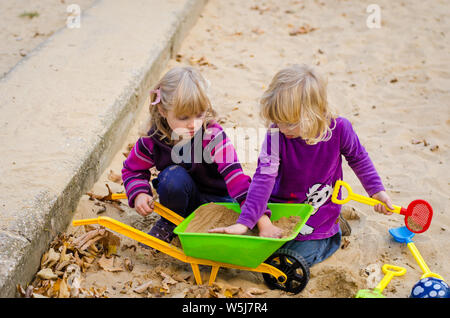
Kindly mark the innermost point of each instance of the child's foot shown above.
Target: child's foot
(162, 230)
(346, 230)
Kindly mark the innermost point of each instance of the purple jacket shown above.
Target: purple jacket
(211, 161)
(291, 171)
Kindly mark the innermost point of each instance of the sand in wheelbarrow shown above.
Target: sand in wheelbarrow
(213, 215)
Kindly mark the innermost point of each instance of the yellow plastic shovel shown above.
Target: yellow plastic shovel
(403, 235)
(390, 271)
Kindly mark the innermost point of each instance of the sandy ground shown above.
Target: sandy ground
(393, 84)
(19, 34)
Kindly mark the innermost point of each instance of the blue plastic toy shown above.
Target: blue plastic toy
(430, 287)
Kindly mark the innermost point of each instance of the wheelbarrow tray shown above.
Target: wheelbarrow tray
(241, 250)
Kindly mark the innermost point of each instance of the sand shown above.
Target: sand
(20, 33)
(212, 216)
(392, 83)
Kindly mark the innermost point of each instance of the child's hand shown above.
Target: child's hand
(144, 204)
(271, 231)
(383, 197)
(235, 229)
(267, 229)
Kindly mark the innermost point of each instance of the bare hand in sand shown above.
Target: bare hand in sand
(383, 197)
(144, 204)
(235, 229)
(267, 229)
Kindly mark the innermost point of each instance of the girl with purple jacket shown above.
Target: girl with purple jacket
(300, 161)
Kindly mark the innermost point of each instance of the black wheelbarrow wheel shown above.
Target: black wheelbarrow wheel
(293, 265)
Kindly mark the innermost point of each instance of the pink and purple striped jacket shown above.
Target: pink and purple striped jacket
(212, 163)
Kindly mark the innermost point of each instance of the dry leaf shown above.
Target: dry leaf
(345, 243)
(143, 287)
(108, 264)
(258, 31)
(63, 289)
(89, 244)
(256, 291)
(260, 9)
(51, 258)
(21, 290)
(201, 61)
(114, 177)
(127, 152)
(302, 30)
(116, 204)
(107, 197)
(434, 148)
(131, 246)
(110, 242)
(181, 294)
(166, 281)
(101, 209)
(81, 240)
(228, 293)
(61, 265)
(182, 277)
(46, 273)
(128, 264)
(73, 278)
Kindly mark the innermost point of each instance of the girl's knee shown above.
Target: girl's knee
(173, 180)
(171, 172)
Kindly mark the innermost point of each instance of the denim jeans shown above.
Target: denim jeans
(315, 251)
(178, 191)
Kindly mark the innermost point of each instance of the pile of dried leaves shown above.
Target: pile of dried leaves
(177, 286)
(68, 257)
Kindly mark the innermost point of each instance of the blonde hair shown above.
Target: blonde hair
(297, 95)
(183, 90)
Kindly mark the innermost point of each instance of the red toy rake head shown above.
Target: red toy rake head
(418, 216)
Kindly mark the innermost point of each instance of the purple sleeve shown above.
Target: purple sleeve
(136, 169)
(262, 183)
(359, 160)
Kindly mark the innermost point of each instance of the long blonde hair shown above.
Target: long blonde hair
(297, 95)
(183, 90)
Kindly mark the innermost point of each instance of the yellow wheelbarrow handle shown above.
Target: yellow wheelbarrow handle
(357, 197)
(176, 252)
(159, 208)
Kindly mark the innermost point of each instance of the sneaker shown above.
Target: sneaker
(345, 227)
(162, 230)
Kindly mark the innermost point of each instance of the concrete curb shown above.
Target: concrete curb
(65, 111)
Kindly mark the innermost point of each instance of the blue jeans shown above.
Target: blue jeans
(315, 251)
(178, 191)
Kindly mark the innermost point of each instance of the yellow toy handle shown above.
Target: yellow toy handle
(118, 196)
(159, 208)
(357, 197)
(390, 271)
(423, 266)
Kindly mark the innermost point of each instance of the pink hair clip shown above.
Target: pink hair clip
(158, 96)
